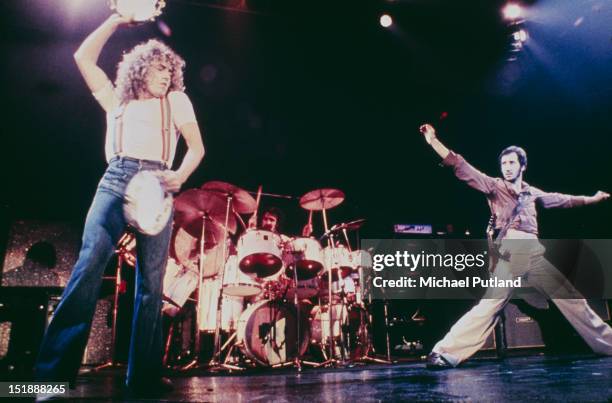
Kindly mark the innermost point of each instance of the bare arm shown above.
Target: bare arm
(86, 56)
(173, 180)
(429, 133)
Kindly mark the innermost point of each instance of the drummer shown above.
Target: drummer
(272, 220)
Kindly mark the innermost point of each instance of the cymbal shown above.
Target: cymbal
(242, 201)
(194, 204)
(349, 226)
(321, 199)
(183, 246)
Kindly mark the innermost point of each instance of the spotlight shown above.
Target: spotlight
(512, 11)
(386, 21)
(520, 35)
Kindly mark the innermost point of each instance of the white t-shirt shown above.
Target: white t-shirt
(140, 135)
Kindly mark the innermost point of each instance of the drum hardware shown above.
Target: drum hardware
(125, 247)
(232, 345)
(240, 201)
(297, 361)
(369, 353)
(199, 213)
(276, 195)
(323, 200)
(198, 347)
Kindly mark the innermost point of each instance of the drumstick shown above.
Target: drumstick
(257, 203)
(239, 218)
(309, 217)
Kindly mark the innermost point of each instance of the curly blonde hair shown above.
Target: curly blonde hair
(132, 69)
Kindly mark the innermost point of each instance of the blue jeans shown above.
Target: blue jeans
(64, 342)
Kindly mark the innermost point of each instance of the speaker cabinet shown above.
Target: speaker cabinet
(23, 317)
(40, 254)
(99, 347)
(527, 327)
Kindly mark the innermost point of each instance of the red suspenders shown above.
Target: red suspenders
(166, 122)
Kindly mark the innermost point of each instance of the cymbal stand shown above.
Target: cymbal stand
(297, 361)
(370, 347)
(215, 364)
(198, 347)
(331, 360)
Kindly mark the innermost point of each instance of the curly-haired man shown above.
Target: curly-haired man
(145, 109)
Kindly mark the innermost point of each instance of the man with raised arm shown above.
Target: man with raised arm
(513, 203)
(146, 108)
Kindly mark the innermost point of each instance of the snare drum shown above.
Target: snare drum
(337, 259)
(267, 333)
(179, 283)
(237, 283)
(304, 255)
(260, 253)
(231, 307)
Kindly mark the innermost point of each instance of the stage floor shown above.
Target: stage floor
(542, 378)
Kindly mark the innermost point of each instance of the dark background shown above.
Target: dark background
(308, 94)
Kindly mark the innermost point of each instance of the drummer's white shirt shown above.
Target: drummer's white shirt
(142, 123)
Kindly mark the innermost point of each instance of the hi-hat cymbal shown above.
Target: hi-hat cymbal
(350, 226)
(242, 201)
(322, 199)
(193, 205)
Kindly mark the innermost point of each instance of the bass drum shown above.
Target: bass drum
(267, 332)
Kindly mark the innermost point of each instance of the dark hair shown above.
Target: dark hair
(276, 212)
(520, 153)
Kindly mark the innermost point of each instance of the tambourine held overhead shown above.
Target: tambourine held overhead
(138, 10)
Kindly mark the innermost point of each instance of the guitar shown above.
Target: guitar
(493, 251)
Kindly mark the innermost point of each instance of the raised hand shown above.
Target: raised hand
(122, 20)
(428, 131)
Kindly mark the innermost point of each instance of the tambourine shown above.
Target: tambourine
(147, 206)
(139, 10)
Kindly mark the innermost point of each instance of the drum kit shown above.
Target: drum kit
(271, 297)
(268, 296)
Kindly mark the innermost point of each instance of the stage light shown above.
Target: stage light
(520, 36)
(386, 21)
(512, 11)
